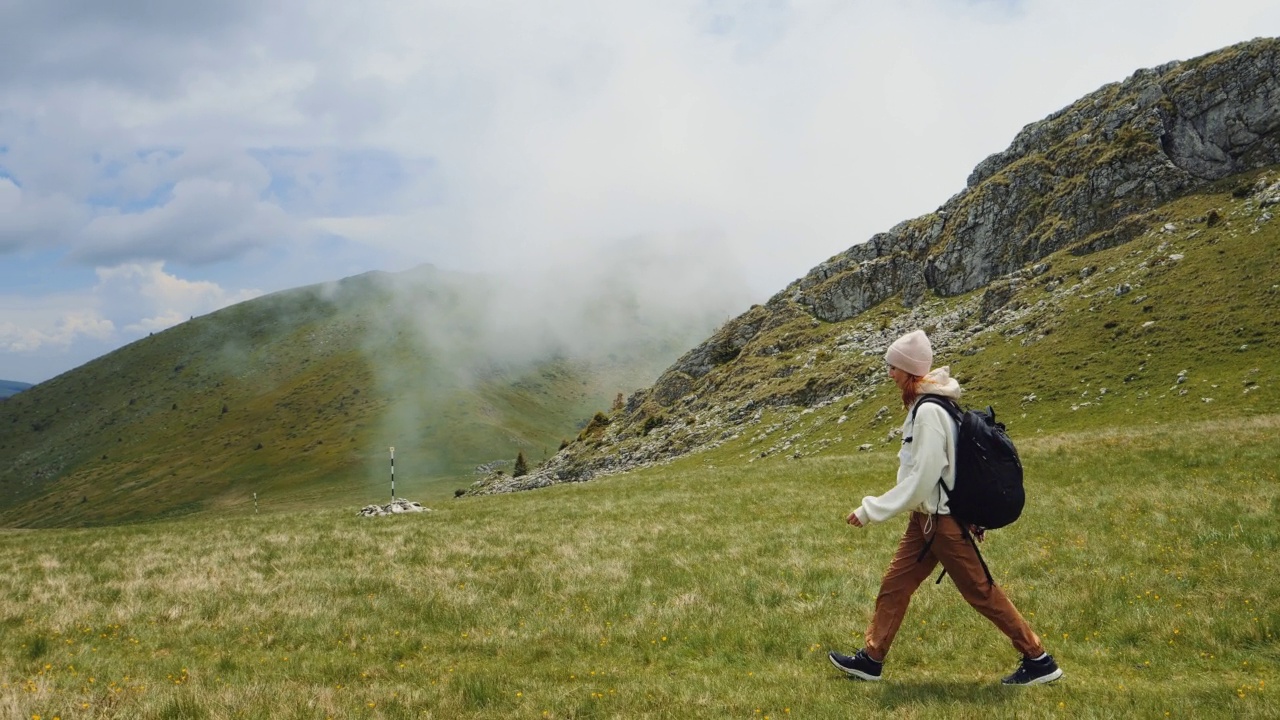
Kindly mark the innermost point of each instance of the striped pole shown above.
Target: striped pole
(255, 503)
(393, 474)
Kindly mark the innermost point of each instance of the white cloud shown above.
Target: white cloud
(60, 331)
(119, 42)
(160, 299)
(127, 302)
(28, 220)
(796, 136)
(475, 135)
(204, 221)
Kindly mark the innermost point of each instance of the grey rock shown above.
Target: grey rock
(395, 507)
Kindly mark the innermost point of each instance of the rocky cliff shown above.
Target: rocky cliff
(1083, 179)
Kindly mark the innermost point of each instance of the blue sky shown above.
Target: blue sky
(159, 161)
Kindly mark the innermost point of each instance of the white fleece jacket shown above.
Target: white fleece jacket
(927, 457)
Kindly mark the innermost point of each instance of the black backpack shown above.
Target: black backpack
(988, 488)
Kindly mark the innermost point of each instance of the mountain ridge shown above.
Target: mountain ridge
(1088, 178)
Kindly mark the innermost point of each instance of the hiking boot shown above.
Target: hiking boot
(860, 665)
(1034, 672)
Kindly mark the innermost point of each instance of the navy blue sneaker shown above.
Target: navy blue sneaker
(860, 665)
(1034, 672)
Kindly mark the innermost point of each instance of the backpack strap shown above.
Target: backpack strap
(951, 406)
(929, 543)
(964, 530)
(953, 410)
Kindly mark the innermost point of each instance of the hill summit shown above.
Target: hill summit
(1170, 156)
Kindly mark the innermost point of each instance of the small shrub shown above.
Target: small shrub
(183, 708)
(522, 466)
(650, 423)
(37, 648)
(595, 427)
(478, 691)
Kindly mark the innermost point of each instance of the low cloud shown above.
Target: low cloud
(496, 137)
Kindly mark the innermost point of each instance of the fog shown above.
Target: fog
(201, 156)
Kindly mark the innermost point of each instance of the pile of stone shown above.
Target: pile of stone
(395, 507)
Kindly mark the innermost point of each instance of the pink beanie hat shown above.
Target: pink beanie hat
(911, 352)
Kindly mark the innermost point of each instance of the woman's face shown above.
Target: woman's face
(899, 377)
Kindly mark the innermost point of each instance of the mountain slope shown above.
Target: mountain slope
(296, 397)
(1058, 261)
(9, 388)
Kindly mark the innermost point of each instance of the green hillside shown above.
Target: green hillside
(1179, 324)
(297, 397)
(9, 388)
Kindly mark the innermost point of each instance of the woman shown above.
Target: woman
(932, 536)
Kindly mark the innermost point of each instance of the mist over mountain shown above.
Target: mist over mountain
(298, 395)
(1170, 154)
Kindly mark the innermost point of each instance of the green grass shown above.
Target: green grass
(691, 590)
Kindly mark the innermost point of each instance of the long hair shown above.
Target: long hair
(912, 391)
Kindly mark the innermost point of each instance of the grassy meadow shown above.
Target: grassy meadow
(703, 588)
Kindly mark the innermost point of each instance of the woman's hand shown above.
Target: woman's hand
(853, 519)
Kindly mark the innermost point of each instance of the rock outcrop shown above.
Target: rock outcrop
(1118, 152)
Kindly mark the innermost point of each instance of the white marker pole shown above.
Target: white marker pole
(393, 474)
(255, 503)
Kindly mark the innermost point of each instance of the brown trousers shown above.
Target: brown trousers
(961, 562)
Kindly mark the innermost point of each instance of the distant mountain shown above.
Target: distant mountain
(1114, 264)
(297, 396)
(11, 387)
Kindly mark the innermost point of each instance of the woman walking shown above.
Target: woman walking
(932, 536)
